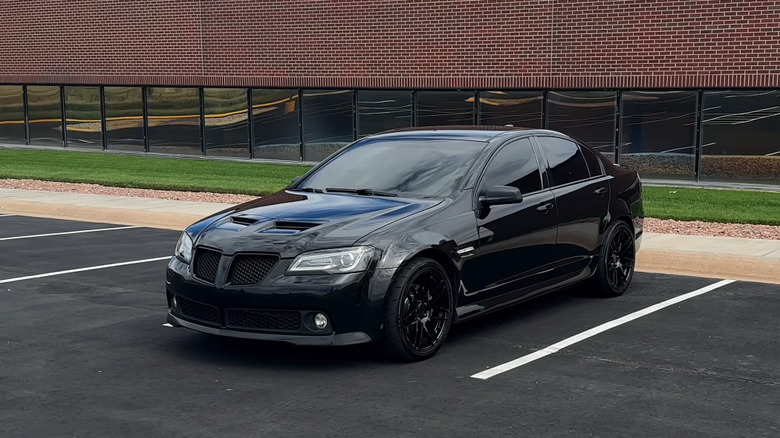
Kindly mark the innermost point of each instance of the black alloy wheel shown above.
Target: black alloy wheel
(616, 262)
(419, 310)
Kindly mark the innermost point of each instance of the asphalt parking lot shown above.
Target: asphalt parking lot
(84, 352)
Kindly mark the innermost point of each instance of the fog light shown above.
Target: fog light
(320, 321)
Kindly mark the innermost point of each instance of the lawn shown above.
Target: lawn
(147, 172)
(254, 178)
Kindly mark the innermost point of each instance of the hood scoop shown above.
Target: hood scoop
(243, 220)
(290, 227)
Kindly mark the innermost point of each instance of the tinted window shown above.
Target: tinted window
(594, 164)
(514, 165)
(382, 110)
(585, 115)
(82, 117)
(327, 122)
(124, 118)
(226, 130)
(275, 120)
(11, 114)
(565, 160)
(419, 167)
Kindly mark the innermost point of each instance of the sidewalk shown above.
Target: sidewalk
(717, 257)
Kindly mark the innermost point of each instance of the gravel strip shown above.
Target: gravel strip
(692, 228)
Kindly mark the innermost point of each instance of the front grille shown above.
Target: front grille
(205, 264)
(251, 269)
(198, 311)
(263, 319)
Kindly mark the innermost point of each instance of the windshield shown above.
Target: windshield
(422, 167)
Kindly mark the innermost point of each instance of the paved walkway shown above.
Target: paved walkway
(719, 257)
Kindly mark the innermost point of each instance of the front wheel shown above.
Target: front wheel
(419, 310)
(616, 261)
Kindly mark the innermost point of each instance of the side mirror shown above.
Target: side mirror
(498, 195)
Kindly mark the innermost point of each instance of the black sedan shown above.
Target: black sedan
(399, 235)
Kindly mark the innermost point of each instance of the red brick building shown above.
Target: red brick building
(683, 89)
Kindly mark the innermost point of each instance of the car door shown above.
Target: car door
(581, 198)
(516, 241)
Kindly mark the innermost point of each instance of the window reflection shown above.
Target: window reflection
(516, 108)
(45, 115)
(82, 117)
(11, 114)
(327, 122)
(658, 132)
(275, 123)
(227, 130)
(741, 136)
(588, 116)
(174, 120)
(382, 110)
(124, 118)
(445, 108)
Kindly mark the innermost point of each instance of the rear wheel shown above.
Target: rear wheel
(616, 261)
(419, 310)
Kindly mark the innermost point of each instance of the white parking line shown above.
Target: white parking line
(91, 268)
(554, 348)
(32, 236)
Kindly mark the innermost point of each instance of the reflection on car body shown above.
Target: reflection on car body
(399, 235)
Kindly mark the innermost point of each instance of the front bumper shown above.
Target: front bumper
(332, 339)
(280, 307)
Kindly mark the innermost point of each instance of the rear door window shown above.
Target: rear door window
(565, 160)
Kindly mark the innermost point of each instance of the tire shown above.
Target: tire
(616, 262)
(419, 311)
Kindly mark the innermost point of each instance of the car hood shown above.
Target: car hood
(289, 223)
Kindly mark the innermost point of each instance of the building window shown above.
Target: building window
(515, 108)
(328, 117)
(44, 111)
(588, 116)
(124, 118)
(226, 130)
(382, 110)
(83, 118)
(12, 114)
(658, 131)
(275, 123)
(174, 120)
(741, 136)
(445, 108)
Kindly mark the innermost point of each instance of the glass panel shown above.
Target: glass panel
(516, 108)
(658, 130)
(741, 136)
(445, 108)
(44, 110)
(82, 117)
(432, 167)
(227, 130)
(514, 165)
(594, 163)
(124, 118)
(565, 160)
(327, 122)
(174, 120)
(275, 120)
(11, 114)
(588, 116)
(382, 110)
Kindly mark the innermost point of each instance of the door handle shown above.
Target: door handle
(600, 191)
(544, 208)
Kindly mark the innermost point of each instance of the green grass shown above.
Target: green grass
(147, 172)
(712, 205)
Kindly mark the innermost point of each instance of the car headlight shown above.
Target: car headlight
(184, 248)
(333, 261)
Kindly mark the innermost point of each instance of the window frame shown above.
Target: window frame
(548, 174)
(541, 170)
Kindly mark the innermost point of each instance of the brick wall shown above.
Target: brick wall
(393, 44)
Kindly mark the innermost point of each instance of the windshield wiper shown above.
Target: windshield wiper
(364, 192)
(307, 189)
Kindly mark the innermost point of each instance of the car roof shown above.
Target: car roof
(473, 133)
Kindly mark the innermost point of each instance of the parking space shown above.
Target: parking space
(86, 354)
